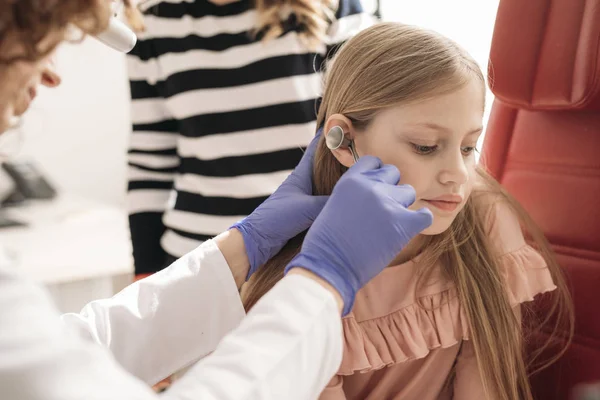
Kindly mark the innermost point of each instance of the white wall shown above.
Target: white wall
(78, 132)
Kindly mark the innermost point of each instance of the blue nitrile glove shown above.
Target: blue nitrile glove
(290, 210)
(362, 228)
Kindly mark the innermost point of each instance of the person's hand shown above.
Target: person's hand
(363, 226)
(290, 210)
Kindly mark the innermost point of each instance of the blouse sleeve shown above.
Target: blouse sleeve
(524, 269)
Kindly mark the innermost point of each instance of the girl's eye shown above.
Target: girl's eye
(468, 150)
(424, 150)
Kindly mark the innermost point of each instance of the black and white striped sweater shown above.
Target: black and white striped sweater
(220, 118)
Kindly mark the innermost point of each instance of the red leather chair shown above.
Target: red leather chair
(543, 145)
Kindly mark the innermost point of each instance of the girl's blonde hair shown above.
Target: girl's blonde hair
(391, 64)
(314, 16)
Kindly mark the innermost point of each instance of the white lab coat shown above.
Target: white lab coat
(288, 347)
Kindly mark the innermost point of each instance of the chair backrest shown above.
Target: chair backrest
(543, 144)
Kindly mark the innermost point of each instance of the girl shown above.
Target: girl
(444, 319)
(223, 101)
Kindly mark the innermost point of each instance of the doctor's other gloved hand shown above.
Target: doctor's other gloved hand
(362, 228)
(290, 210)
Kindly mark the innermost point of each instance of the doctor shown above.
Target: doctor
(287, 347)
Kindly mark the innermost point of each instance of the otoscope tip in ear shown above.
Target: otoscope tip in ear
(336, 139)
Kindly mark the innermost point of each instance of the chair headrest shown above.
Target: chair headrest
(545, 54)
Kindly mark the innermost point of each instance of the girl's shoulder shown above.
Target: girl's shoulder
(500, 219)
(524, 269)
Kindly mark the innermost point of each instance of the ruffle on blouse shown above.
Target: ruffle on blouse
(438, 321)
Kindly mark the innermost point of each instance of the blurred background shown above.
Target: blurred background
(76, 137)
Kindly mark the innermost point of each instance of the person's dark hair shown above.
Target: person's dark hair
(29, 23)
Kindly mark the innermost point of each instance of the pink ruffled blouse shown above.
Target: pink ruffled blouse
(396, 349)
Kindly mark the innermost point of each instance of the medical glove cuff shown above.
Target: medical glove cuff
(257, 251)
(347, 286)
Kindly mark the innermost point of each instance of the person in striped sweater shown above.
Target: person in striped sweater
(224, 99)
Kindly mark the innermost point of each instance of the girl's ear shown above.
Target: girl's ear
(343, 155)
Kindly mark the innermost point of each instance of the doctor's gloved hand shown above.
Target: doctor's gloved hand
(290, 210)
(362, 228)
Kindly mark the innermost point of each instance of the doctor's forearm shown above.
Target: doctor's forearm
(196, 294)
(308, 274)
(231, 244)
(288, 347)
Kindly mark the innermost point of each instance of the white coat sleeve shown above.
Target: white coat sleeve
(166, 322)
(40, 359)
(288, 347)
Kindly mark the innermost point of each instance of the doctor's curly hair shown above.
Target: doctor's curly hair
(30, 22)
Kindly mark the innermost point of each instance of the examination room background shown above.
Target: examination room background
(78, 134)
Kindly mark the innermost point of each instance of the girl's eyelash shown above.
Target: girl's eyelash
(424, 150)
(469, 150)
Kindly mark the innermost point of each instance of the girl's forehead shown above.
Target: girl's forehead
(439, 110)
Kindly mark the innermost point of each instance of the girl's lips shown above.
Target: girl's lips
(444, 205)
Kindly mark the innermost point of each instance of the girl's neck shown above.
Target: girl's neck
(410, 251)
